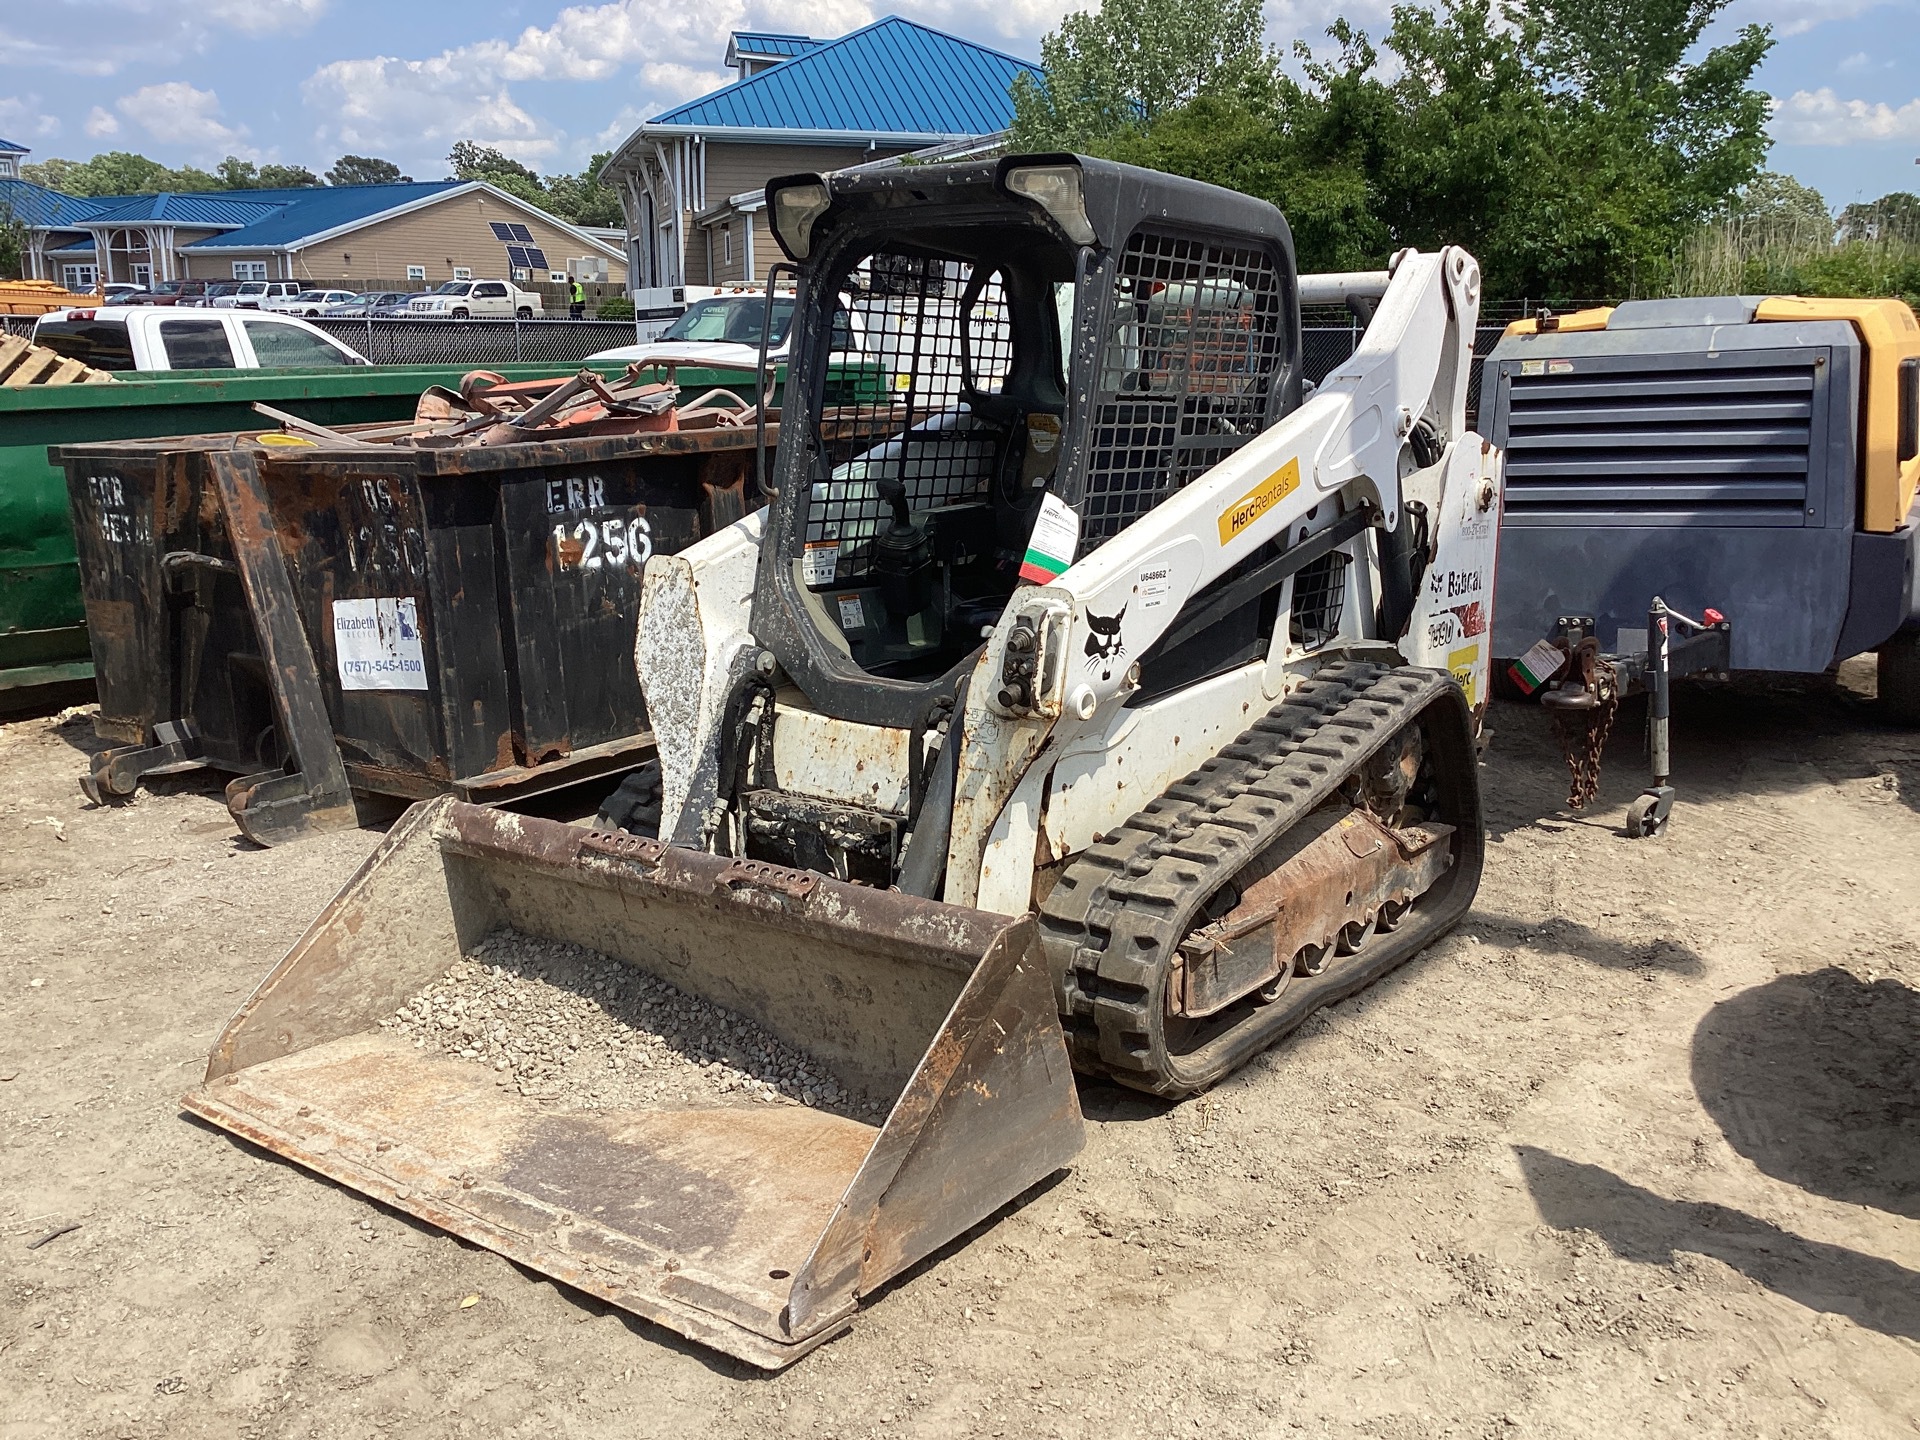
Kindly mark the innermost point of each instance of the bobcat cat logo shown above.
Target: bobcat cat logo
(1104, 645)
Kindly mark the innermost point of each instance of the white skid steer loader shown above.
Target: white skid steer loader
(1088, 694)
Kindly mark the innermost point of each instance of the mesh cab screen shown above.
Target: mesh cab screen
(1197, 342)
(930, 331)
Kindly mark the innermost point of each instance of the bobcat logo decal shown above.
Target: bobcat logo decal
(1104, 645)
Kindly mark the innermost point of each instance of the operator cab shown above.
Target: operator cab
(910, 479)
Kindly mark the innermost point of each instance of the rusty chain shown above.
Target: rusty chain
(1582, 734)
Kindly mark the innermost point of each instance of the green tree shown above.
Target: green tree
(1572, 145)
(1124, 66)
(471, 160)
(13, 244)
(234, 173)
(582, 199)
(287, 177)
(1891, 217)
(54, 173)
(118, 172)
(364, 170)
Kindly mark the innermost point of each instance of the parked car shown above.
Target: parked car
(114, 289)
(461, 299)
(725, 331)
(371, 302)
(169, 292)
(308, 302)
(216, 292)
(250, 293)
(138, 337)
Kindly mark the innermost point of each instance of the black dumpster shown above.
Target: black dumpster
(380, 621)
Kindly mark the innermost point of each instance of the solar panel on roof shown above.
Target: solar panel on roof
(523, 234)
(500, 231)
(536, 258)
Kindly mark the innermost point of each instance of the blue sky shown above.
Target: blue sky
(306, 80)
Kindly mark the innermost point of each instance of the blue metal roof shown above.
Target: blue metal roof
(765, 44)
(892, 78)
(297, 214)
(9, 148)
(40, 208)
(223, 208)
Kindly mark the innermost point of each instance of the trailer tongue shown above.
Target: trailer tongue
(753, 1230)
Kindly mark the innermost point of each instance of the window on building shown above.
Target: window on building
(522, 277)
(461, 272)
(288, 347)
(196, 344)
(558, 277)
(143, 274)
(79, 277)
(416, 272)
(249, 269)
(726, 244)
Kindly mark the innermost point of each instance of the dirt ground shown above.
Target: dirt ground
(1635, 1152)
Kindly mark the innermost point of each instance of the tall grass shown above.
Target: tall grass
(1775, 255)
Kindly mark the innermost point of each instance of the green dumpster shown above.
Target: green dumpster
(43, 633)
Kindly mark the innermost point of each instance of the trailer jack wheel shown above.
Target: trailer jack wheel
(1649, 813)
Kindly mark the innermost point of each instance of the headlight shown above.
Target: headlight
(1056, 190)
(795, 207)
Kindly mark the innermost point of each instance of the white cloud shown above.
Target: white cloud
(22, 117)
(119, 33)
(101, 123)
(385, 103)
(1820, 117)
(174, 113)
(1796, 17)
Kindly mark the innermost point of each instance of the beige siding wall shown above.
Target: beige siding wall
(735, 170)
(443, 237)
(220, 267)
(732, 270)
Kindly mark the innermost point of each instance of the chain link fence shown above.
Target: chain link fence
(397, 341)
(400, 341)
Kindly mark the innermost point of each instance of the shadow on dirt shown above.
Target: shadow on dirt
(1583, 942)
(1815, 1078)
(1650, 1229)
(1754, 735)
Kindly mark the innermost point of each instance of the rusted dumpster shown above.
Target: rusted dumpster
(331, 622)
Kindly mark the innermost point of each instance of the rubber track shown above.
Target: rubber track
(1114, 920)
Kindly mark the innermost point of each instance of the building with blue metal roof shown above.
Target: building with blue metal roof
(751, 51)
(692, 179)
(410, 235)
(10, 159)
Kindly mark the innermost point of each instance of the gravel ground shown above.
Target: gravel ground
(564, 1023)
(1635, 1153)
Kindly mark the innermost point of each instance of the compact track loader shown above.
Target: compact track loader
(1097, 696)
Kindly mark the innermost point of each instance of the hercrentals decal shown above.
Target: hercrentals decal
(1259, 500)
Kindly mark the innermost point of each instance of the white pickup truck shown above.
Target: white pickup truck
(138, 337)
(476, 299)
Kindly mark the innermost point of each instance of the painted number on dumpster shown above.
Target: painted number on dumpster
(590, 544)
(379, 541)
(114, 520)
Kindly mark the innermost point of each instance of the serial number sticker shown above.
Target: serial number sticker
(852, 615)
(819, 561)
(1259, 500)
(376, 644)
(1153, 586)
(1461, 663)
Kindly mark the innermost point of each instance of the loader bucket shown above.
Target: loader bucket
(754, 1230)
